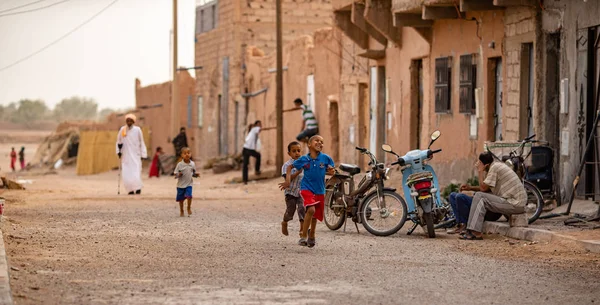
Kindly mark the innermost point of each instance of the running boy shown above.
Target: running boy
(293, 200)
(312, 188)
(184, 172)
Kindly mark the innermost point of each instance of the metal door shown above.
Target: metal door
(498, 108)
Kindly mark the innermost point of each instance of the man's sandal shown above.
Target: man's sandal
(311, 242)
(470, 236)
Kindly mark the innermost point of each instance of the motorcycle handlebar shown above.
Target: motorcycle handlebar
(529, 138)
(436, 151)
(361, 149)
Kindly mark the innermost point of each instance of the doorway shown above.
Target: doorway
(335, 130)
(589, 63)
(416, 107)
(373, 110)
(527, 91)
(496, 81)
(377, 111)
(363, 119)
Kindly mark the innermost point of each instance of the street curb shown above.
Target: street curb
(531, 234)
(5, 294)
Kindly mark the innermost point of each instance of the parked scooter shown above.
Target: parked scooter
(380, 209)
(421, 187)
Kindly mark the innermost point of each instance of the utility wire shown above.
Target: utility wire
(35, 9)
(21, 6)
(60, 38)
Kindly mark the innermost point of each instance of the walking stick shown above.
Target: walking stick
(120, 169)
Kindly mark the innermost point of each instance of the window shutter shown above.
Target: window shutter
(468, 73)
(443, 76)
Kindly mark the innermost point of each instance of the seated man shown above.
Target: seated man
(508, 194)
(461, 205)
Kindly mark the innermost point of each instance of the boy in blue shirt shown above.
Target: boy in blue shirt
(312, 188)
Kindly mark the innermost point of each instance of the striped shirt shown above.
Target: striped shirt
(310, 122)
(505, 183)
(294, 188)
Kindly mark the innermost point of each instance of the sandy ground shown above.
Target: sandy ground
(71, 240)
(30, 139)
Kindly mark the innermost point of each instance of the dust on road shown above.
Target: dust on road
(74, 241)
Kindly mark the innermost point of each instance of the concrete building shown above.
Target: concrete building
(158, 119)
(570, 48)
(441, 64)
(224, 31)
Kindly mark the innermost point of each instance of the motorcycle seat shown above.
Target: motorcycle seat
(352, 169)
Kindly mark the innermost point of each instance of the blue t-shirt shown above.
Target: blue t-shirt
(314, 172)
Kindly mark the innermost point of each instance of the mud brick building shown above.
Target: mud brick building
(157, 119)
(224, 31)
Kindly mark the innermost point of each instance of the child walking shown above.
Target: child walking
(312, 188)
(184, 172)
(293, 200)
(155, 166)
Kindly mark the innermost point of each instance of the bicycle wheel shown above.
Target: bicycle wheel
(535, 202)
(383, 220)
(334, 216)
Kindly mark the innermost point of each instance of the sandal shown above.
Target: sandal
(311, 242)
(470, 236)
(302, 242)
(458, 230)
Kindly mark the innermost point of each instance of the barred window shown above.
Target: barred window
(468, 78)
(443, 84)
(206, 16)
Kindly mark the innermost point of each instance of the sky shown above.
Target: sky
(130, 39)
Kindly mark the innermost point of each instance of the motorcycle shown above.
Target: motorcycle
(380, 209)
(421, 187)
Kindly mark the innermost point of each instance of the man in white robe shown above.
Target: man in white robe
(131, 149)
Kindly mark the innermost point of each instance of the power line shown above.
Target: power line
(60, 38)
(35, 9)
(21, 6)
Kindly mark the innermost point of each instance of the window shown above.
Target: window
(468, 77)
(206, 16)
(443, 77)
(200, 111)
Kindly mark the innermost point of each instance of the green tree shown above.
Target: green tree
(7, 111)
(29, 111)
(76, 108)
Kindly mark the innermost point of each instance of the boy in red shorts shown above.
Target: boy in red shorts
(312, 188)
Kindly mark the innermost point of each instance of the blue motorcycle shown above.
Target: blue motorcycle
(421, 187)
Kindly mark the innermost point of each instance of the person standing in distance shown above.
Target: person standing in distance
(250, 149)
(131, 149)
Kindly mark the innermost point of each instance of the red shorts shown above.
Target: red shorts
(318, 201)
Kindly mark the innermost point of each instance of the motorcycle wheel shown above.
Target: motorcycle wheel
(334, 217)
(393, 217)
(535, 201)
(428, 218)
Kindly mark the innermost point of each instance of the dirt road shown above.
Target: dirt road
(74, 241)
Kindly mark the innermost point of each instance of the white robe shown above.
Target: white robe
(134, 149)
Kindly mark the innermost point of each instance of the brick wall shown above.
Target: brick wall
(319, 55)
(158, 119)
(519, 28)
(242, 24)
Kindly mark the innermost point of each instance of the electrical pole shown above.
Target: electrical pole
(174, 93)
(279, 93)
